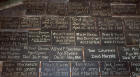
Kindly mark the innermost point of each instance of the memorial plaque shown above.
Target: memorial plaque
(70, 38)
(13, 38)
(10, 22)
(110, 24)
(112, 38)
(55, 69)
(57, 7)
(135, 69)
(39, 37)
(66, 53)
(10, 53)
(115, 69)
(87, 38)
(55, 23)
(83, 23)
(85, 69)
(78, 8)
(37, 53)
(132, 24)
(53, 53)
(129, 53)
(132, 38)
(100, 8)
(63, 38)
(20, 69)
(35, 7)
(101, 53)
(123, 9)
(30, 22)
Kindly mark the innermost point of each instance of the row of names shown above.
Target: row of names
(70, 69)
(71, 23)
(69, 53)
(82, 7)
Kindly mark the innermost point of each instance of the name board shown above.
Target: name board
(35, 7)
(30, 22)
(129, 53)
(57, 7)
(37, 53)
(121, 9)
(10, 22)
(55, 23)
(100, 8)
(83, 23)
(116, 69)
(39, 37)
(112, 38)
(87, 38)
(85, 69)
(10, 53)
(132, 24)
(20, 69)
(132, 38)
(63, 38)
(78, 7)
(13, 38)
(101, 53)
(55, 69)
(66, 53)
(110, 24)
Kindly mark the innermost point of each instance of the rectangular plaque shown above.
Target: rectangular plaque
(53, 53)
(83, 23)
(132, 24)
(100, 8)
(85, 69)
(39, 37)
(55, 69)
(110, 24)
(13, 38)
(124, 9)
(78, 7)
(115, 69)
(10, 53)
(129, 53)
(57, 7)
(87, 38)
(63, 38)
(112, 38)
(55, 23)
(101, 53)
(30, 22)
(10, 22)
(132, 38)
(20, 69)
(35, 7)
(135, 69)
(66, 53)
(37, 53)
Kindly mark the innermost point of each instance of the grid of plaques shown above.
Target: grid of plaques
(72, 38)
